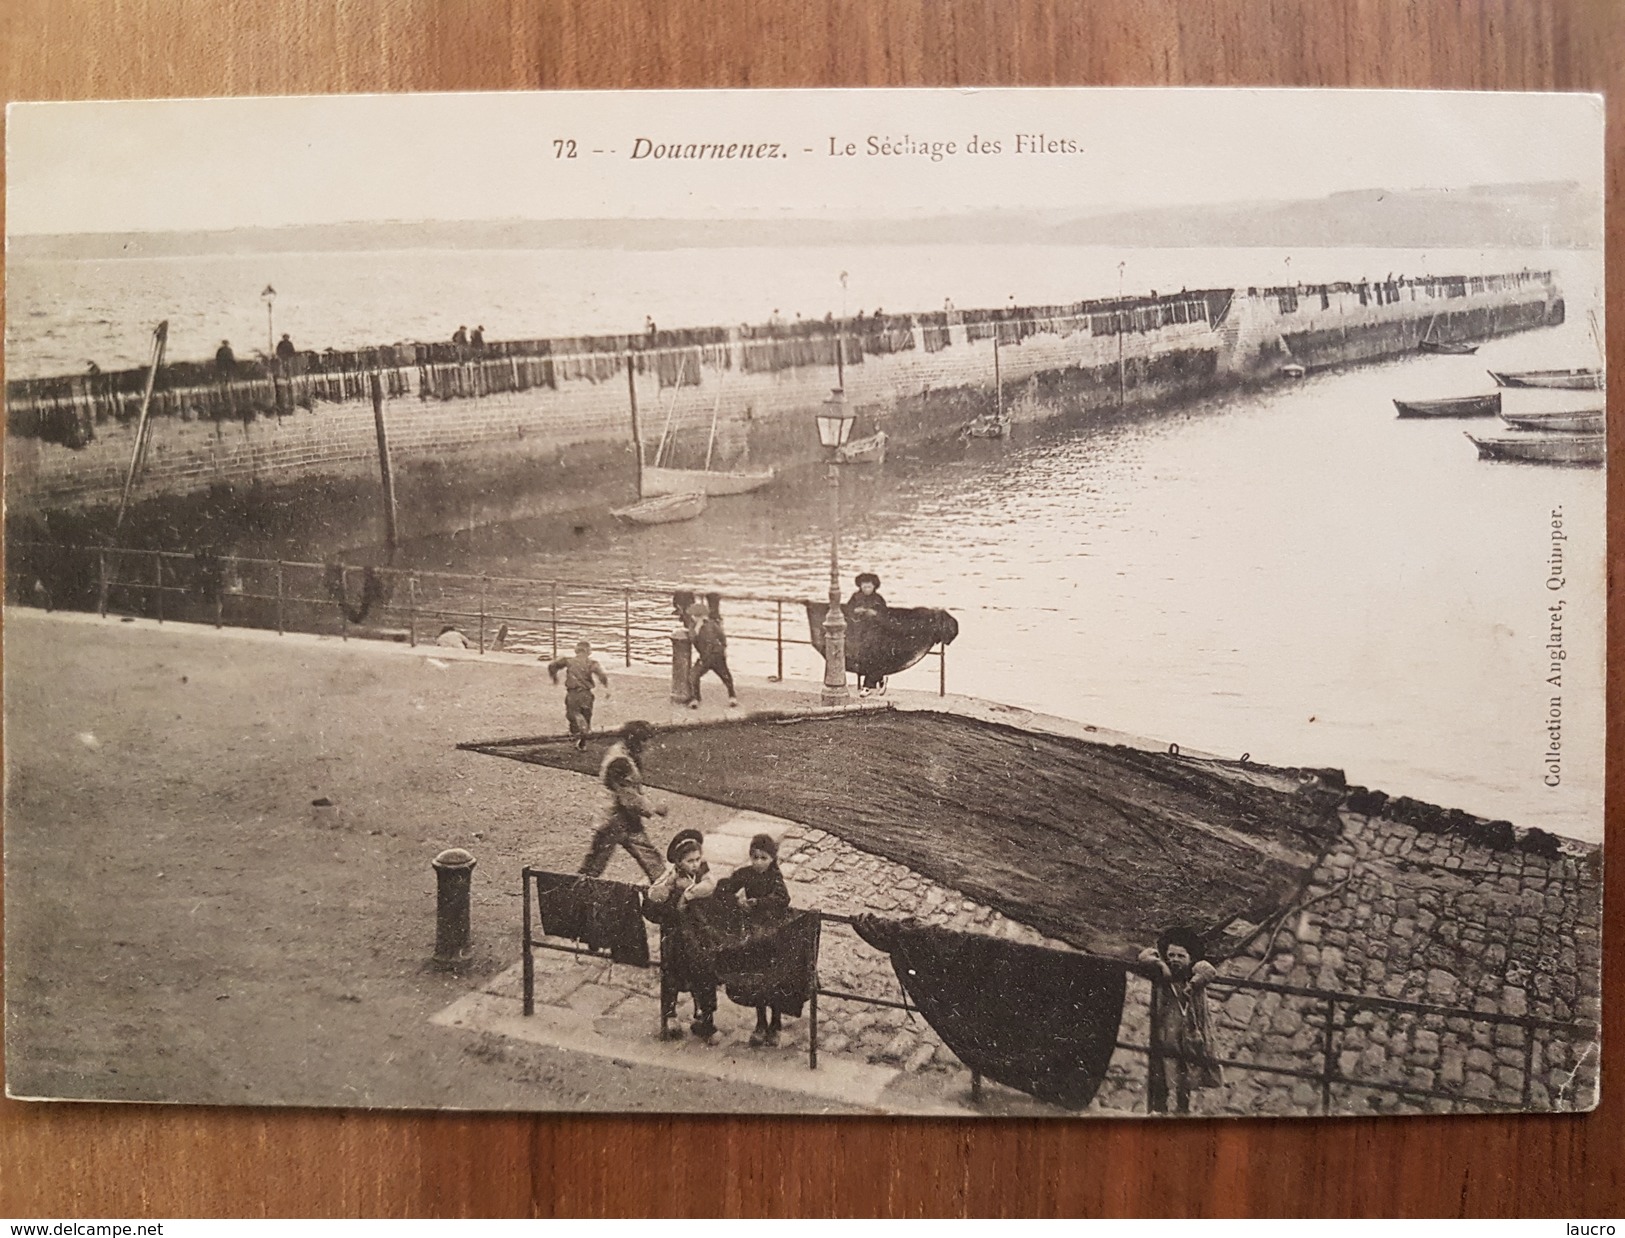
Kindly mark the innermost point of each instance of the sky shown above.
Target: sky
(182, 165)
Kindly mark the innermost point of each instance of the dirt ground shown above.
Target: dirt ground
(183, 925)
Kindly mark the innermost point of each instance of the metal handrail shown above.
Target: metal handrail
(1328, 1076)
(476, 585)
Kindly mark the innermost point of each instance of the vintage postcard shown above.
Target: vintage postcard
(1009, 602)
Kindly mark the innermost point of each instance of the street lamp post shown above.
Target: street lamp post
(835, 421)
(269, 297)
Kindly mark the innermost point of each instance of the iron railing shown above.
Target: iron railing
(1327, 1076)
(517, 613)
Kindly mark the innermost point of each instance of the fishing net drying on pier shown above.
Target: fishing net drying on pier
(1101, 846)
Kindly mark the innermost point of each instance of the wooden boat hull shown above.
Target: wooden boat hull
(1581, 421)
(658, 481)
(1448, 350)
(1561, 380)
(1544, 448)
(871, 450)
(662, 509)
(1457, 406)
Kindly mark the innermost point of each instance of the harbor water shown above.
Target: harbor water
(1291, 572)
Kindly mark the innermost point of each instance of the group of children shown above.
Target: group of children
(758, 887)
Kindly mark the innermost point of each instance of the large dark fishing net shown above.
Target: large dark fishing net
(888, 642)
(1098, 845)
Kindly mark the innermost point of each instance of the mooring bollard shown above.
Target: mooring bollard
(454, 871)
(682, 650)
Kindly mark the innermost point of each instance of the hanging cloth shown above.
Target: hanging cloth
(602, 915)
(889, 641)
(1041, 1021)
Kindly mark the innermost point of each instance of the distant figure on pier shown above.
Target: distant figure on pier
(477, 340)
(225, 361)
(285, 351)
(580, 672)
(1181, 1032)
(92, 369)
(711, 650)
(865, 606)
(649, 324)
(459, 337)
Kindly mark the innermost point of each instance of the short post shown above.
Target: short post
(1328, 1058)
(101, 583)
(942, 670)
(626, 623)
(219, 592)
(454, 872)
(158, 586)
(529, 962)
(976, 1087)
(483, 583)
(682, 649)
(812, 1031)
(412, 609)
(778, 638)
(554, 604)
(344, 602)
(279, 597)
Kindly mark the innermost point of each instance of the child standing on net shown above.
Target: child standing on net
(579, 674)
(760, 889)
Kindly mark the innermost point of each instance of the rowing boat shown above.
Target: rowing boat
(1455, 406)
(1448, 350)
(1578, 421)
(870, 450)
(1543, 448)
(1564, 380)
(712, 482)
(663, 509)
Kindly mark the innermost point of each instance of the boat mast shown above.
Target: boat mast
(143, 426)
(637, 435)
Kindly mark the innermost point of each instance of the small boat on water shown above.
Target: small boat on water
(1562, 380)
(662, 509)
(664, 481)
(1579, 421)
(1454, 406)
(870, 450)
(1448, 350)
(1543, 448)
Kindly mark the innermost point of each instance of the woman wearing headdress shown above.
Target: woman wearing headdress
(864, 607)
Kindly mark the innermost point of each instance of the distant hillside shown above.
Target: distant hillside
(1560, 215)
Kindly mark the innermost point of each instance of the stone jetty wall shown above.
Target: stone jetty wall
(1392, 911)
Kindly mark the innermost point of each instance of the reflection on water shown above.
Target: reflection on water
(1295, 573)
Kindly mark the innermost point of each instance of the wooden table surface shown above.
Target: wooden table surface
(92, 1160)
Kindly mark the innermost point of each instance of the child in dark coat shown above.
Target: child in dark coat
(759, 888)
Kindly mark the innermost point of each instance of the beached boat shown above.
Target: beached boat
(1563, 380)
(1448, 350)
(663, 509)
(1455, 406)
(871, 450)
(712, 482)
(1577, 421)
(1543, 448)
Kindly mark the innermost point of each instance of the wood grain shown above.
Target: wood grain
(82, 1160)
